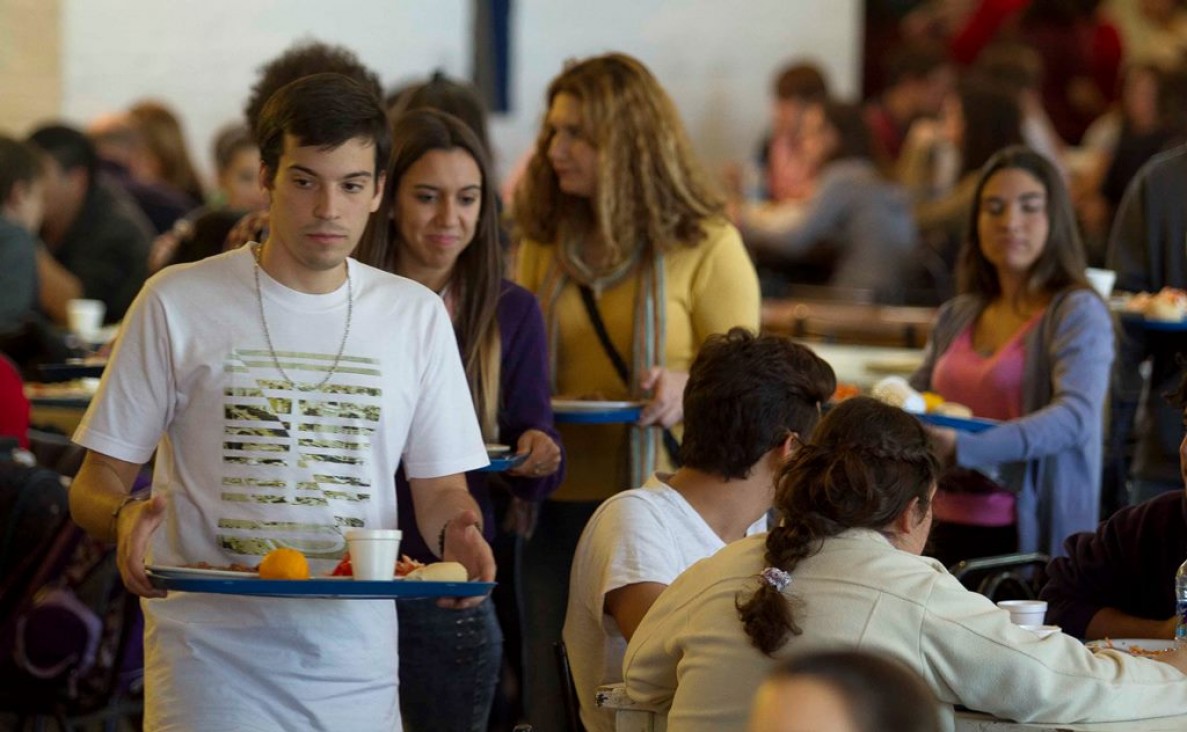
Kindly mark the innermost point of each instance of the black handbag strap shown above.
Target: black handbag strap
(671, 444)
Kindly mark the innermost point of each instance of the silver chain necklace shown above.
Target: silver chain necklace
(259, 250)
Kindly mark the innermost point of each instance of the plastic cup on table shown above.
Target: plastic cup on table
(1101, 280)
(373, 552)
(84, 318)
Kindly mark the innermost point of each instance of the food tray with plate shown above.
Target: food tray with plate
(960, 424)
(581, 411)
(1137, 646)
(221, 582)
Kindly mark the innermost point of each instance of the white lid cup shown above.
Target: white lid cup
(373, 552)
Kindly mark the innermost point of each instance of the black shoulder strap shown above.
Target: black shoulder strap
(671, 444)
(595, 317)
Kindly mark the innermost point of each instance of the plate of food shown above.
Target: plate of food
(1134, 646)
(929, 407)
(412, 580)
(1163, 310)
(591, 411)
(204, 572)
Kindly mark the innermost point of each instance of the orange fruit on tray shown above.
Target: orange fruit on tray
(284, 563)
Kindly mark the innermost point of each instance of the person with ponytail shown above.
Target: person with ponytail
(844, 570)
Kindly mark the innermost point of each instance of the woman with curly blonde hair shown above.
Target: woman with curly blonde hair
(620, 227)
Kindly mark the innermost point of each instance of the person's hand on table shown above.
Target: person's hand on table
(666, 407)
(544, 455)
(943, 443)
(134, 528)
(464, 543)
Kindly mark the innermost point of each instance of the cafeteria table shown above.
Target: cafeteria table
(630, 716)
(977, 722)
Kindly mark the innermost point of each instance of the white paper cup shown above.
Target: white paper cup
(1101, 280)
(373, 552)
(1025, 612)
(84, 318)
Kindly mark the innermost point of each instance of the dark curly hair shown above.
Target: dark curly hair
(745, 395)
(864, 466)
(305, 58)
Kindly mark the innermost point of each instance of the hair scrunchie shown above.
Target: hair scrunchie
(775, 577)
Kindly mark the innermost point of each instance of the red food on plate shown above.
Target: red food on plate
(403, 567)
(343, 569)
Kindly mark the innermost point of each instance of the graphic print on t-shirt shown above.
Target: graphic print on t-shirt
(274, 430)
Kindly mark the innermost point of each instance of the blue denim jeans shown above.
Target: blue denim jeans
(449, 665)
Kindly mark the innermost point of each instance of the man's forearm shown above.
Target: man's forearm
(1112, 623)
(98, 491)
(436, 501)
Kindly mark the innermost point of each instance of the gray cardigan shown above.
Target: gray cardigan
(1050, 457)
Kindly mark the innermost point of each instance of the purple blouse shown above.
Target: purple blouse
(525, 403)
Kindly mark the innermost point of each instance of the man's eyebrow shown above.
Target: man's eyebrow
(313, 173)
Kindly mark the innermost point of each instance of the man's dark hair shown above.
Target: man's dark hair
(745, 395)
(304, 59)
(914, 60)
(19, 163)
(68, 146)
(323, 110)
(449, 96)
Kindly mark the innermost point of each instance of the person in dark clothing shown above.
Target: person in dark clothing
(1119, 581)
(1146, 251)
(96, 238)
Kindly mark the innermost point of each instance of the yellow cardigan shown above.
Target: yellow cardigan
(710, 288)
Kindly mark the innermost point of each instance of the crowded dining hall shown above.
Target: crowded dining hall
(566, 367)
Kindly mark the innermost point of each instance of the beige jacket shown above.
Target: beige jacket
(860, 592)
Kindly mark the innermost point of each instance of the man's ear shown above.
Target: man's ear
(267, 178)
(380, 184)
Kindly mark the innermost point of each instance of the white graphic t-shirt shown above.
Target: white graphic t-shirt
(249, 462)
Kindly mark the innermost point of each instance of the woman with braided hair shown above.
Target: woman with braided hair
(843, 570)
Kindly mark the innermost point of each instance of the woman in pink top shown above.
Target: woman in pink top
(1027, 342)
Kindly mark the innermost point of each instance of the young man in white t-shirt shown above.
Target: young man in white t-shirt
(280, 384)
(747, 401)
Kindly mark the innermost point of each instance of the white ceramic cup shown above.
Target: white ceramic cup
(373, 552)
(85, 318)
(1101, 280)
(1025, 612)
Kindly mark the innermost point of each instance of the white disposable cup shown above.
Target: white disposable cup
(1101, 280)
(1025, 612)
(85, 318)
(373, 552)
